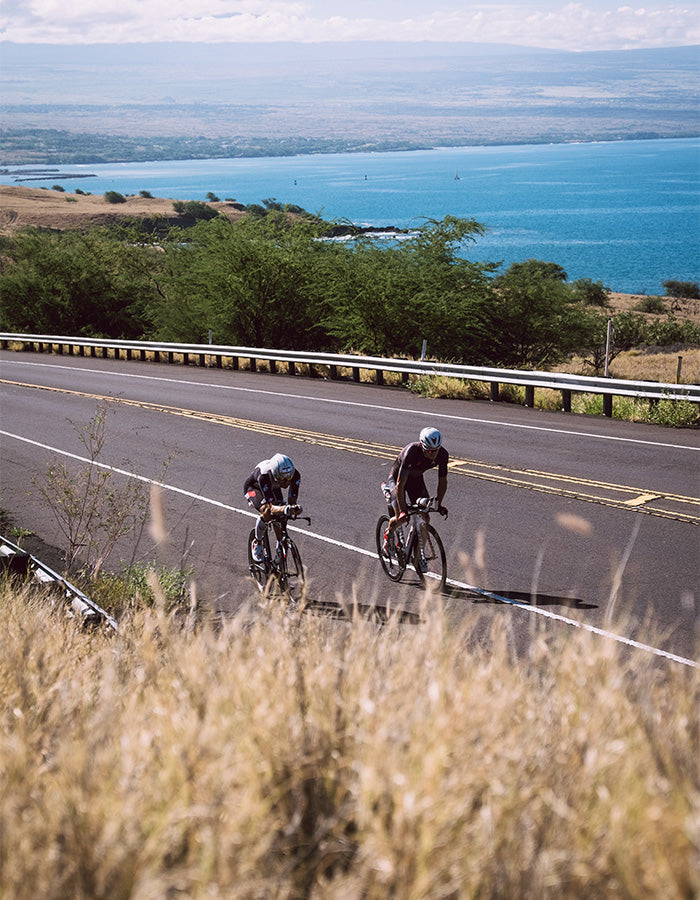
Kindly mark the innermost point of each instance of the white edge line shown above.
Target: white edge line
(327, 540)
(436, 415)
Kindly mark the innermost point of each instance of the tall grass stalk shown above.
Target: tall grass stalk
(282, 755)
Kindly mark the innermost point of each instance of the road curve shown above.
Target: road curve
(587, 519)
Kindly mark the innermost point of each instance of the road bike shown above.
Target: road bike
(282, 569)
(414, 543)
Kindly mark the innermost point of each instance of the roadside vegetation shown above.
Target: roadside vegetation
(289, 756)
(276, 278)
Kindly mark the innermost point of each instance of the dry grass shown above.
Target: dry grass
(641, 365)
(285, 756)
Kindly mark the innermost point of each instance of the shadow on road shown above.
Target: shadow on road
(522, 598)
(349, 611)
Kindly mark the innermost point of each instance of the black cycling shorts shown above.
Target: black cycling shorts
(414, 490)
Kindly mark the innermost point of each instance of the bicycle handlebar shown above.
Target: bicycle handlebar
(281, 517)
(425, 505)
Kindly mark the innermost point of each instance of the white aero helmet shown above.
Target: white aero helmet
(430, 439)
(282, 467)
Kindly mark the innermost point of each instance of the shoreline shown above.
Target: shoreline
(320, 150)
(22, 205)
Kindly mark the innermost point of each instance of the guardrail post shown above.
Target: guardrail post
(291, 368)
(495, 388)
(171, 356)
(529, 395)
(59, 348)
(203, 360)
(234, 363)
(82, 350)
(219, 361)
(253, 364)
(380, 377)
(104, 353)
(404, 378)
(128, 353)
(273, 366)
(334, 373)
(607, 405)
(566, 401)
(356, 374)
(185, 359)
(142, 355)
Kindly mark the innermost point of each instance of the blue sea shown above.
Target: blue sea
(625, 213)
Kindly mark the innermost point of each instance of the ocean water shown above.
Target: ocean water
(624, 213)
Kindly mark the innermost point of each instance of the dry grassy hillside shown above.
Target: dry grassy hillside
(54, 209)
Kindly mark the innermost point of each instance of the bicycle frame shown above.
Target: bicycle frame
(416, 542)
(284, 567)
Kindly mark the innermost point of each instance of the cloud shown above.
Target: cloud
(590, 25)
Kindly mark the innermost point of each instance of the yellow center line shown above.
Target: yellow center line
(528, 479)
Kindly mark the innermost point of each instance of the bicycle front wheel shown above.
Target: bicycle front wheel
(431, 566)
(291, 575)
(393, 564)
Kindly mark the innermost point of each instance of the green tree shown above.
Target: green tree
(682, 290)
(386, 298)
(74, 283)
(534, 269)
(248, 281)
(592, 293)
(533, 322)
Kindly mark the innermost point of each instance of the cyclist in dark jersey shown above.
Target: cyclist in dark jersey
(406, 476)
(263, 491)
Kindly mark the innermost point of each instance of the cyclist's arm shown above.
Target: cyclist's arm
(401, 494)
(442, 489)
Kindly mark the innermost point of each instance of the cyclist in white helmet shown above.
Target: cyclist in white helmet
(263, 491)
(406, 476)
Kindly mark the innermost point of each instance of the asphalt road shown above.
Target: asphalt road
(583, 519)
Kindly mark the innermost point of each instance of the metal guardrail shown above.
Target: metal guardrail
(15, 560)
(214, 355)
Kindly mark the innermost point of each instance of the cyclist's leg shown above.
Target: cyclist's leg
(389, 491)
(416, 489)
(257, 501)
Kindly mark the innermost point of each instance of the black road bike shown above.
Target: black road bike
(414, 543)
(282, 568)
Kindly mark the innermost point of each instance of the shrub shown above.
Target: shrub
(195, 209)
(114, 197)
(147, 194)
(212, 198)
(592, 293)
(650, 305)
(683, 290)
(58, 187)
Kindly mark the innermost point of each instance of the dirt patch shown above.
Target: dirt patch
(59, 210)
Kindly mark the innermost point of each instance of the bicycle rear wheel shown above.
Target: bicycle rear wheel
(433, 571)
(258, 569)
(393, 565)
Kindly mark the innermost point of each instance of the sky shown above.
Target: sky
(585, 25)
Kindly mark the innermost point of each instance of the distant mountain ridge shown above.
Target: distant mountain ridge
(248, 99)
